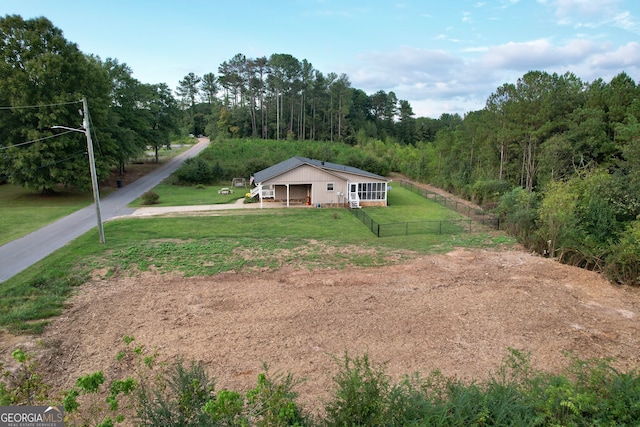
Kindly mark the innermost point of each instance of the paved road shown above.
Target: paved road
(20, 254)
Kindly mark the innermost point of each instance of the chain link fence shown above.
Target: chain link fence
(450, 226)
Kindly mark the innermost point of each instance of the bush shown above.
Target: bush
(623, 264)
(360, 396)
(178, 398)
(487, 192)
(195, 170)
(589, 392)
(150, 198)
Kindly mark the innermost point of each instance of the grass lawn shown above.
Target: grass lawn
(407, 206)
(23, 211)
(240, 240)
(180, 195)
(202, 245)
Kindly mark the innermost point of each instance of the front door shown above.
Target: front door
(354, 200)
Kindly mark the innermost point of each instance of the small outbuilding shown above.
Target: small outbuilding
(301, 180)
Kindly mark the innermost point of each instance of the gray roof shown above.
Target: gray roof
(297, 161)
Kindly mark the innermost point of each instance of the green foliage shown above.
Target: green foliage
(90, 383)
(622, 263)
(195, 170)
(41, 296)
(150, 197)
(89, 403)
(518, 211)
(25, 385)
(557, 217)
(42, 68)
(177, 398)
(226, 409)
(486, 192)
(587, 392)
(272, 401)
(361, 394)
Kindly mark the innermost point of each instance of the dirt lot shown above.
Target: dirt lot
(457, 312)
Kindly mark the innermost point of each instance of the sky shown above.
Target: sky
(443, 56)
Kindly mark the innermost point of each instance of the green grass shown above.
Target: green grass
(407, 206)
(180, 195)
(239, 240)
(23, 211)
(245, 240)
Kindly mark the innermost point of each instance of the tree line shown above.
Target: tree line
(42, 80)
(556, 157)
(281, 97)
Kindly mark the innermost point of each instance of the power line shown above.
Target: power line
(94, 132)
(39, 106)
(55, 162)
(35, 140)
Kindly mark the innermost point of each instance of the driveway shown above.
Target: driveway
(20, 254)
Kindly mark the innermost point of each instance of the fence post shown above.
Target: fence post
(440, 227)
(378, 230)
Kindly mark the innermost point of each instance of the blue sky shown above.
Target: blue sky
(443, 56)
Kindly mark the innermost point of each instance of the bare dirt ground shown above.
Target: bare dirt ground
(457, 312)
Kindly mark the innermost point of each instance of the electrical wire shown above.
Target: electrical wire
(73, 156)
(39, 106)
(36, 140)
(95, 135)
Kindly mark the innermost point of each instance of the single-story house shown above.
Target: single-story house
(301, 180)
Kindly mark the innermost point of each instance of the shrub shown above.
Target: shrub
(486, 192)
(195, 170)
(623, 264)
(150, 198)
(360, 395)
(177, 398)
(24, 386)
(272, 402)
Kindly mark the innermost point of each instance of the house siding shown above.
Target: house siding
(308, 179)
(311, 181)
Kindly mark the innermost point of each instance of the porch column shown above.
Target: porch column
(287, 195)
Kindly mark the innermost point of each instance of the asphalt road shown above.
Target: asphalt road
(20, 254)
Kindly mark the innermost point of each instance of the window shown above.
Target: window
(329, 186)
(372, 190)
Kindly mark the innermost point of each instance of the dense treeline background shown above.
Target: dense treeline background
(556, 157)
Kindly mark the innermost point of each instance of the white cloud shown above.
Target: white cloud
(437, 81)
(593, 14)
(627, 56)
(538, 54)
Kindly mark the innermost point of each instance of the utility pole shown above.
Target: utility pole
(92, 166)
(92, 162)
